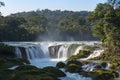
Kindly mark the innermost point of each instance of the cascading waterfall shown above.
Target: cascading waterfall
(18, 52)
(63, 52)
(39, 50)
(95, 53)
(78, 49)
(44, 47)
(39, 55)
(35, 52)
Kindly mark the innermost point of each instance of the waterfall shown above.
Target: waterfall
(44, 47)
(63, 51)
(73, 76)
(18, 52)
(27, 53)
(56, 50)
(39, 55)
(35, 52)
(78, 49)
(95, 53)
(49, 50)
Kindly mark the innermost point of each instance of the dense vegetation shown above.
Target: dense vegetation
(46, 25)
(107, 27)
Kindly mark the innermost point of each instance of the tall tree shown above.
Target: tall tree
(107, 26)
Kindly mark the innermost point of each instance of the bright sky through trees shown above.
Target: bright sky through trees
(14, 6)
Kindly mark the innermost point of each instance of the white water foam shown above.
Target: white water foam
(18, 52)
(89, 67)
(63, 51)
(74, 76)
(78, 49)
(95, 53)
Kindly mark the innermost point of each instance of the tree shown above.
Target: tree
(2, 4)
(107, 26)
(73, 23)
(10, 29)
(114, 3)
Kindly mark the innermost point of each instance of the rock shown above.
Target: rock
(104, 64)
(34, 77)
(24, 54)
(73, 68)
(55, 71)
(60, 65)
(75, 62)
(6, 74)
(10, 62)
(26, 67)
(81, 54)
(102, 74)
(115, 65)
(98, 66)
(54, 50)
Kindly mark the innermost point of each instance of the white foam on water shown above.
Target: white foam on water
(13, 67)
(78, 49)
(63, 51)
(95, 53)
(18, 52)
(74, 76)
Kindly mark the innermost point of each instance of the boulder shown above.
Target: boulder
(55, 71)
(60, 65)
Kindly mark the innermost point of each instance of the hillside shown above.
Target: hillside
(46, 25)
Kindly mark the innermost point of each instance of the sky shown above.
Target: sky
(14, 6)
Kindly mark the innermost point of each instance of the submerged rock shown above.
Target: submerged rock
(74, 66)
(26, 67)
(55, 71)
(104, 64)
(10, 62)
(100, 74)
(60, 65)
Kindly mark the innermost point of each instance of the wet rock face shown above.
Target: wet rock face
(74, 66)
(72, 49)
(98, 66)
(53, 50)
(24, 55)
(60, 65)
(104, 64)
